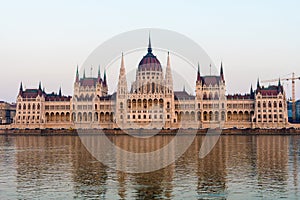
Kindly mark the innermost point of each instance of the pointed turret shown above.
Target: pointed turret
(258, 85)
(77, 75)
(104, 78)
(251, 90)
(59, 92)
(21, 88)
(83, 73)
(169, 78)
(149, 45)
(99, 74)
(40, 86)
(279, 86)
(222, 73)
(198, 74)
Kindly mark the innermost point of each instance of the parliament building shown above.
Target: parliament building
(151, 103)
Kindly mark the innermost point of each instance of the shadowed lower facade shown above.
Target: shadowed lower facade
(150, 102)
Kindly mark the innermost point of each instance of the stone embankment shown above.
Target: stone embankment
(137, 132)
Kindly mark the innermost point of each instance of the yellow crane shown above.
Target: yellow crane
(293, 78)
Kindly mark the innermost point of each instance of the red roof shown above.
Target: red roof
(238, 96)
(90, 82)
(149, 63)
(211, 80)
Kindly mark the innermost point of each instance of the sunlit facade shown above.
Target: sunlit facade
(151, 103)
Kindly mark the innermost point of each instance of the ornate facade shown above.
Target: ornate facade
(37, 109)
(151, 102)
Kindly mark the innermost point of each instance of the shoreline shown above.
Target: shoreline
(145, 132)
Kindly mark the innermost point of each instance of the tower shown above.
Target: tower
(198, 84)
(168, 77)
(121, 95)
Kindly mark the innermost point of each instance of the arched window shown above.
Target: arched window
(33, 106)
(216, 96)
(24, 106)
(210, 96)
(280, 104)
(38, 106)
(205, 96)
(258, 104)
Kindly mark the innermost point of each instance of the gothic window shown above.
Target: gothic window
(216, 96)
(280, 104)
(168, 104)
(38, 106)
(269, 104)
(210, 96)
(205, 96)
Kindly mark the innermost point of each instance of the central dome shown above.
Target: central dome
(149, 61)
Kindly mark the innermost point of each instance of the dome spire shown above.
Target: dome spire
(149, 44)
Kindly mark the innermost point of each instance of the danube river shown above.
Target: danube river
(239, 167)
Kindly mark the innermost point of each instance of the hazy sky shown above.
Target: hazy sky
(45, 41)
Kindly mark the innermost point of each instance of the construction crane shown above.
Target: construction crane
(293, 78)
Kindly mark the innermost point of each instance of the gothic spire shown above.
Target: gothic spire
(279, 86)
(198, 73)
(169, 79)
(251, 90)
(122, 82)
(40, 85)
(149, 45)
(59, 92)
(258, 85)
(221, 72)
(21, 86)
(99, 74)
(77, 75)
(104, 78)
(122, 69)
(83, 73)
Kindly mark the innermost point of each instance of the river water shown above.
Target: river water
(60, 167)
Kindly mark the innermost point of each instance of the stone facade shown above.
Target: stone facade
(151, 102)
(37, 109)
(7, 112)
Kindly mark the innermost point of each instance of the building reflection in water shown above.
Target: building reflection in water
(259, 166)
